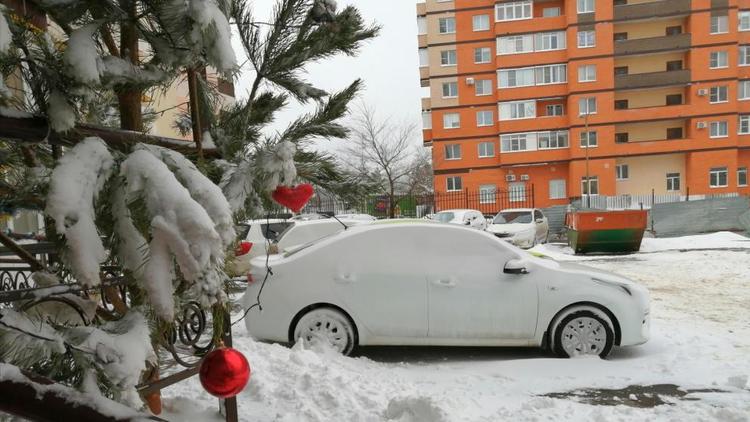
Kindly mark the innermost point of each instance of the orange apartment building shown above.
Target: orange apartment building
(657, 93)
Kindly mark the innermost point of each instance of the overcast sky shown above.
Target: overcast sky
(387, 64)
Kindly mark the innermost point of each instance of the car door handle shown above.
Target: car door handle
(344, 279)
(444, 283)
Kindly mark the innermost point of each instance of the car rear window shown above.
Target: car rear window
(513, 217)
(444, 217)
(273, 231)
(242, 230)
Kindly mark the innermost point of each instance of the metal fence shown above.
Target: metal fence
(642, 202)
(417, 206)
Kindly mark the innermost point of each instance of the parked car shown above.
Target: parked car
(471, 218)
(523, 227)
(363, 217)
(416, 282)
(255, 238)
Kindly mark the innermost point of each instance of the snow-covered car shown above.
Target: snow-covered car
(255, 238)
(471, 218)
(302, 232)
(362, 217)
(403, 283)
(523, 227)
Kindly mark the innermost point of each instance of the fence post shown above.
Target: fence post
(533, 197)
(466, 197)
(687, 193)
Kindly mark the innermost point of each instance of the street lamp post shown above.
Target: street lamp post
(588, 179)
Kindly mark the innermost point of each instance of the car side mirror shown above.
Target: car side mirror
(540, 220)
(515, 266)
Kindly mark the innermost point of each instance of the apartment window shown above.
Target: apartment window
(453, 152)
(480, 23)
(673, 30)
(421, 25)
(482, 55)
(742, 176)
(674, 133)
(587, 105)
(743, 16)
(516, 77)
(487, 194)
(743, 124)
(620, 2)
(448, 58)
(518, 110)
(517, 191)
(426, 120)
(549, 41)
(718, 59)
(451, 121)
(483, 87)
(515, 44)
(718, 94)
(743, 90)
(586, 39)
(554, 110)
(719, 24)
(557, 189)
(540, 75)
(453, 183)
(621, 104)
(551, 74)
(621, 70)
(550, 12)
(450, 89)
(674, 99)
(621, 171)
(512, 11)
(588, 139)
(587, 73)
(514, 142)
(719, 129)
(485, 118)
(621, 138)
(585, 6)
(555, 139)
(674, 65)
(447, 25)
(620, 36)
(424, 57)
(673, 182)
(590, 188)
(486, 149)
(717, 177)
(743, 57)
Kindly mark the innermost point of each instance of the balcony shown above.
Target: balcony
(653, 79)
(652, 45)
(652, 10)
(424, 76)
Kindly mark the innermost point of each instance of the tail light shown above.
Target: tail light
(250, 279)
(243, 248)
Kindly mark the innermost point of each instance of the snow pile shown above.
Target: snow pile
(62, 115)
(279, 165)
(6, 36)
(701, 241)
(74, 186)
(214, 33)
(81, 56)
(415, 409)
(179, 226)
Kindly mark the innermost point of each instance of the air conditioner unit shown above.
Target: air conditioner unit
(524, 177)
(701, 125)
(510, 177)
(469, 81)
(702, 92)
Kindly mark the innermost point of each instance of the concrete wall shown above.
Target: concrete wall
(709, 215)
(650, 172)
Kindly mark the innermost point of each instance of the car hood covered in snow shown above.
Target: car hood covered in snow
(508, 228)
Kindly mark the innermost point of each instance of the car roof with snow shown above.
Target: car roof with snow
(518, 209)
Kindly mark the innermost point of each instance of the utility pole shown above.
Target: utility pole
(588, 179)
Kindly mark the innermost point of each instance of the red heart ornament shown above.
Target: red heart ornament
(295, 197)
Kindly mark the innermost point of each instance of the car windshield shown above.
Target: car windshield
(513, 217)
(444, 217)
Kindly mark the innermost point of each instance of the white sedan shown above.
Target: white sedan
(421, 283)
(523, 227)
(462, 217)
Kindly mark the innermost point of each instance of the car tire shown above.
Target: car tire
(583, 333)
(327, 324)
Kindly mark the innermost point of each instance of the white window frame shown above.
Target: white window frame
(445, 60)
(586, 39)
(743, 55)
(718, 94)
(422, 25)
(743, 124)
(587, 135)
(741, 170)
(557, 13)
(515, 72)
(454, 179)
(743, 90)
(517, 191)
(424, 57)
(559, 71)
(550, 41)
(449, 122)
(718, 129)
(743, 20)
(622, 172)
(445, 23)
(585, 105)
(584, 73)
(722, 24)
(515, 44)
(671, 177)
(715, 175)
(517, 142)
(526, 8)
(452, 152)
(482, 122)
(556, 139)
(452, 89)
(477, 24)
(486, 86)
(426, 120)
(594, 181)
(554, 107)
(484, 152)
(585, 6)
(484, 54)
(718, 59)
(517, 110)
(487, 194)
(558, 189)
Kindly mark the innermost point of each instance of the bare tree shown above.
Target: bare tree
(380, 153)
(421, 177)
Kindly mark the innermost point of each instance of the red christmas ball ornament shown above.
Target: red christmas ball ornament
(224, 372)
(294, 197)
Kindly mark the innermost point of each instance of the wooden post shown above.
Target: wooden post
(195, 117)
(228, 406)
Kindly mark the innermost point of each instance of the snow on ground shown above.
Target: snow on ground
(700, 341)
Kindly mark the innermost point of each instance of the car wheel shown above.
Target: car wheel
(583, 333)
(327, 325)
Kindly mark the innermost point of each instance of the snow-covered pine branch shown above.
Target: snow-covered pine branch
(74, 186)
(277, 165)
(81, 57)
